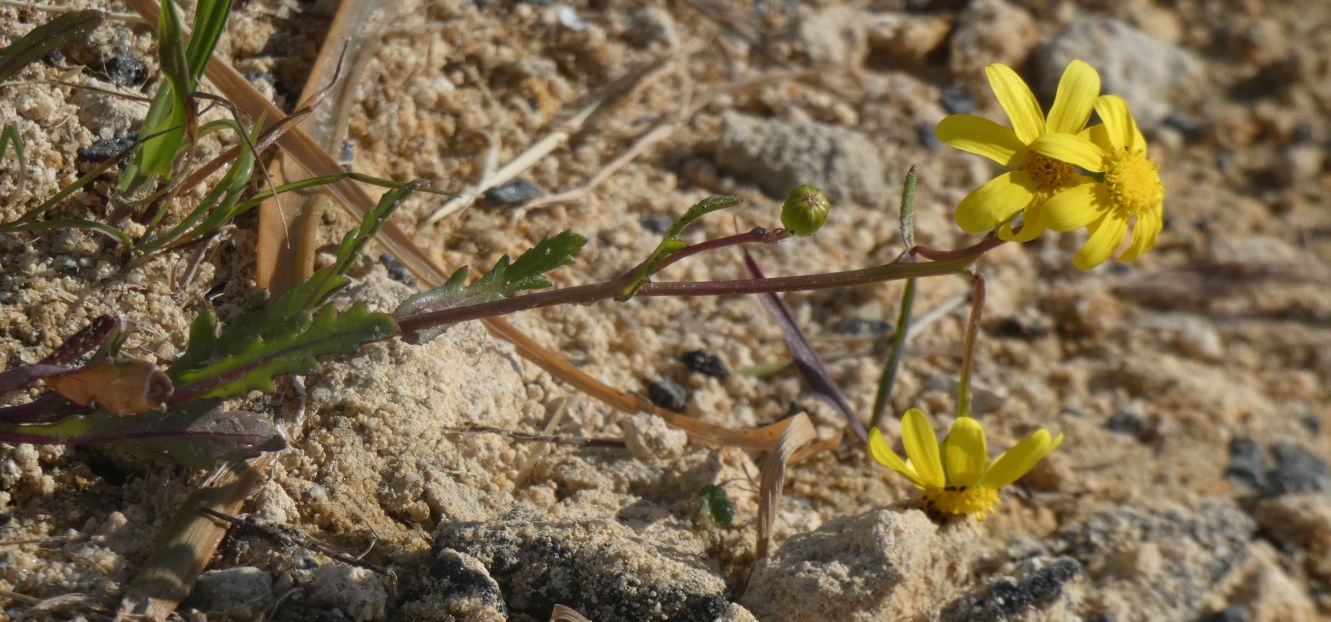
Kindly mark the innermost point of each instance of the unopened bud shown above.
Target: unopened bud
(805, 210)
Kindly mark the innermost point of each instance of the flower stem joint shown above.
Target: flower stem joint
(805, 210)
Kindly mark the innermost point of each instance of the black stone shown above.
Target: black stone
(1247, 465)
(1228, 614)
(1296, 471)
(396, 270)
(956, 100)
(1008, 598)
(1102, 617)
(705, 363)
(1311, 424)
(125, 69)
(513, 193)
(928, 139)
(54, 58)
(860, 327)
(1012, 328)
(666, 394)
(1126, 422)
(105, 149)
(1185, 125)
(659, 223)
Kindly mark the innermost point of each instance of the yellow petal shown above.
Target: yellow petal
(1077, 90)
(1106, 234)
(1075, 207)
(1016, 461)
(882, 452)
(981, 136)
(995, 201)
(1017, 101)
(1144, 232)
(1098, 136)
(965, 452)
(922, 448)
(1074, 150)
(1119, 124)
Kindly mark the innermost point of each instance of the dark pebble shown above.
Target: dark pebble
(513, 193)
(956, 101)
(667, 394)
(1311, 424)
(1008, 598)
(125, 69)
(928, 139)
(1102, 617)
(658, 224)
(860, 327)
(1247, 466)
(705, 363)
(1184, 125)
(54, 58)
(256, 76)
(1228, 614)
(105, 149)
(1012, 328)
(1296, 471)
(1125, 422)
(396, 270)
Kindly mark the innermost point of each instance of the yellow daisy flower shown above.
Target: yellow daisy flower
(1126, 189)
(959, 478)
(1033, 177)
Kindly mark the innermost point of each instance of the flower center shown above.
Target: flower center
(1048, 173)
(1133, 181)
(961, 500)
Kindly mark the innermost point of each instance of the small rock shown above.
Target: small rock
(667, 394)
(125, 69)
(837, 34)
(396, 270)
(956, 100)
(658, 223)
(991, 31)
(928, 139)
(705, 363)
(862, 327)
(54, 58)
(1247, 466)
(1152, 75)
(512, 194)
(1038, 587)
(1300, 522)
(104, 150)
(1158, 565)
(1013, 328)
(1228, 614)
(906, 37)
(458, 588)
(1300, 163)
(601, 568)
(870, 566)
(650, 438)
(233, 590)
(1126, 422)
(777, 155)
(1296, 471)
(357, 592)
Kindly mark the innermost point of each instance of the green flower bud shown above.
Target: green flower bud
(805, 210)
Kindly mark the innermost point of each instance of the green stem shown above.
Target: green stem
(889, 376)
(968, 357)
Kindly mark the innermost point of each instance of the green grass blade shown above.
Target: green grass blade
(70, 223)
(45, 38)
(9, 136)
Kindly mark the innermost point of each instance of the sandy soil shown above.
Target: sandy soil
(1191, 384)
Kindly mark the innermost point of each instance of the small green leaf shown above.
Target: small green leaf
(716, 505)
(504, 280)
(45, 38)
(671, 243)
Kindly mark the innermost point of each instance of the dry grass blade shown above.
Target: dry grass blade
(286, 235)
(186, 546)
(566, 614)
(797, 434)
(613, 93)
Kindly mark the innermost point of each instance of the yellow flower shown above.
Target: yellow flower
(959, 478)
(1127, 187)
(1033, 177)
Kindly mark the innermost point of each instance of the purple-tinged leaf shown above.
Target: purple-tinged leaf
(810, 367)
(77, 345)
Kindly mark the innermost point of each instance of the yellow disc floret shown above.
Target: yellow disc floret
(1133, 181)
(962, 500)
(1050, 174)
